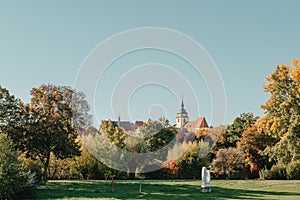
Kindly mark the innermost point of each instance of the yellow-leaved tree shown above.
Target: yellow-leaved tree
(282, 118)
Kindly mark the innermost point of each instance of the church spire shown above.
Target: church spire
(182, 110)
(182, 116)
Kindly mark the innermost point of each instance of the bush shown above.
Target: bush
(35, 167)
(13, 178)
(265, 174)
(277, 172)
(293, 170)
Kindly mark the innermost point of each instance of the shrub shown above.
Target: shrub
(277, 172)
(293, 170)
(34, 166)
(265, 174)
(13, 178)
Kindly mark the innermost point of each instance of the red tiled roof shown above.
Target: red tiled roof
(139, 123)
(191, 126)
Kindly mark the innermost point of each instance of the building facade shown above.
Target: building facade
(182, 122)
(186, 126)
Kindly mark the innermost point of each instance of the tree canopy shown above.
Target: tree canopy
(233, 132)
(49, 128)
(11, 115)
(282, 113)
(254, 141)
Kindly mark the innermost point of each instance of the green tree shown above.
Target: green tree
(114, 133)
(195, 156)
(233, 132)
(77, 167)
(106, 152)
(152, 136)
(13, 177)
(11, 114)
(49, 128)
(158, 134)
(282, 114)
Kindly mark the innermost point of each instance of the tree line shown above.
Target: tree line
(48, 137)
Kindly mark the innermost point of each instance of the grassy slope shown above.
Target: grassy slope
(222, 189)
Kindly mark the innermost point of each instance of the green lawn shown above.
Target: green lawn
(221, 189)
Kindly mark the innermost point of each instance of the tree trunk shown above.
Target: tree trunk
(112, 184)
(46, 165)
(131, 176)
(132, 169)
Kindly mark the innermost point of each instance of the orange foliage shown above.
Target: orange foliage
(172, 166)
(296, 63)
(295, 74)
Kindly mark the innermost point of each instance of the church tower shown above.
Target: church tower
(182, 116)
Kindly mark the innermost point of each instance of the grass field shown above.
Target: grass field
(177, 189)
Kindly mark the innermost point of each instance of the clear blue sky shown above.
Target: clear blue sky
(47, 41)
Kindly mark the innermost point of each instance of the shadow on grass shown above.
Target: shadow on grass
(150, 190)
(193, 192)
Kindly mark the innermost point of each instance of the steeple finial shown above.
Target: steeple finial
(182, 110)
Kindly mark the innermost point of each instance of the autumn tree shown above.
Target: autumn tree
(253, 141)
(200, 134)
(49, 128)
(233, 132)
(228, 161)
(282, 113)
(209, 135)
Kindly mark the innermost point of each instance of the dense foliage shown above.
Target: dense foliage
(11, 115)
(254, 141)
(55, 135)
(48, 127)
(13, 176)
(233, 132)
(228, 161)
(282, 118)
